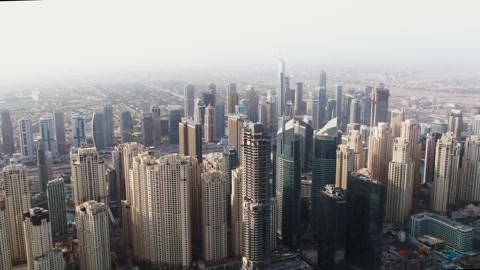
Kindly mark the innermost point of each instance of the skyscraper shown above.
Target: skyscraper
(338, 95)
(444, 171)
(430, 149)
(280, 87)
(332, 228)
(299, 103)
(174, 118)
(400, 183)
(322, 106)
(126, 126)
(47, 132)
(354, 140)
(214, 221)
(380, 149)
(476, 125)
(148, 130)
(252, 108)
(99, 130)
(109, 130)
(38, 236)
(344, 165)
(354, 111)
(323, 79)
(288, 184)
(312, 111)
(190, 139)
(410, 130)
(235, 133)
(26, 138)
(5, 260)
(237, 217)
(56, 206)
(398, 116)
(220, 119)
(210, 125)
(257, 198)
(200, 112)
(365, 211)
(93, 235)
(232, 97)
(60, 132)
(78, 130)
(189, 101)
(455, 122)
(323, 173)
(469, 186)
(7, 133)
(230, 158)
(88, 176)
(17, 201)
(209, 97)
(44, 164)
(380, 105)
(331, 110)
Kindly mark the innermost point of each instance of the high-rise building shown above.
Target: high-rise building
(455, 122)
(148, 130)
(5, 260)
(280, 87)
(299, 103)
(331, 110)
(366, 106)
(344, 165)
(396, 119)
(306, 143)
(78, 130)
(99, 130)
(322, 106)
(174, 118)
(288, 184)
(332, 228)
(26, 138)
(380, 149)
(88, 176)
(60, 132)
(257, 198)
(189, 101)
(355, 113)
(237, 217)
(438, 126)
(56, 206)
(469, 186)
(323, 79)
(323, 173)
(312, 111)
(443, 172)
(210, 125)
(38, 240)
(365, 213)
(476, 125)
(47, 134)
(200, 108)
(355, 141)
(126, 126)
(232, 97)
(252, 108)
(109, 130)
(44, 164)
(430, 149)
(400, 182)
(230, 159)
(338, 96)
(380, 105)
(410, 130)
(210, 95)
(220, 119)
(235, 133)
(17, 201)
(93, 236)
(190, 139)
(156, 110)
(7, 133)
(214, 221)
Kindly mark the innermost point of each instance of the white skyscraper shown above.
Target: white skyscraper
(5, 260)
(400, 183)
(78, 130)
(476, 125)
(88, 176)
(47, 134)
(26, 138)
(38, 236)
(17, 202)
(443, 172)
(93, 235)
(214, 217)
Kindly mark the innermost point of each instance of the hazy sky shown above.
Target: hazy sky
(61, 37)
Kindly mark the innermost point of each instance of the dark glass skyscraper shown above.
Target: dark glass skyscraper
(230, 159)
(109, 131)
(126, 126)
(147, 129)
(60, 132)
(7, 133)
(365, 213)
(232, 97)
(380, 105)
(323, 173)
(99, 130)
(189, 101)
(174, 118)
(322, 106)
(220, 119)
(190, 139)
(332, 228)
(56, 206)
(288, 184)
(252, 107)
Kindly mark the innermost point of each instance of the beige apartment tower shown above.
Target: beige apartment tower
(344, 165)
(396, 119)
(380, 152)
(210, 125)
(410, 130)
(355, 142)
(5, 260)
(88, 176)
(443, 172)
(93, 235)
(237, 222)
(469, 187)
(17, 202)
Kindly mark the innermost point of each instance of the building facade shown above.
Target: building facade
(56, 206)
